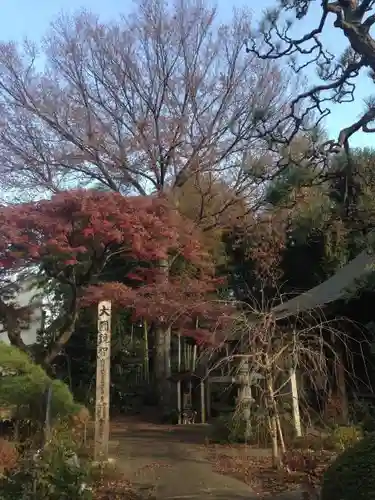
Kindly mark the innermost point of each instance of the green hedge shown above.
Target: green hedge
(352, 475)
(24, 385)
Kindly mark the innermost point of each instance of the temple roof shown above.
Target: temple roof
(342, 283)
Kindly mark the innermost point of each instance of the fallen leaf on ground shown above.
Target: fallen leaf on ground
(258, 473)
(115, 490)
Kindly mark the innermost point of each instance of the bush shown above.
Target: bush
(343, 437)
(363, 413)
(71, 435)
(220, 430)
(8, 456)
(308, 442)
(229, 429)
(24, 386)
(352, 474)
(81, 418)
(54, 473)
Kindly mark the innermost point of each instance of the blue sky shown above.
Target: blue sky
(20, 18)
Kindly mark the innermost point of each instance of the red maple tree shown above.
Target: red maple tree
(73, 236)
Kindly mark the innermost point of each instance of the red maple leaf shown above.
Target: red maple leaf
(76, 234)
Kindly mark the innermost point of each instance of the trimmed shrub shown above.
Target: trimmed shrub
(352, 475)
(24, 387)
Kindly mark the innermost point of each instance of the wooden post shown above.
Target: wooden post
(295, 402)
(103, 374)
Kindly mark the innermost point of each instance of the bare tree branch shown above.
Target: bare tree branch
(338, 71)
(138, 105)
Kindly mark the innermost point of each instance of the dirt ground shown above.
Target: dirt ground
(177, 462)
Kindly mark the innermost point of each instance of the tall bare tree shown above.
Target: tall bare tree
(139, 105)
(136, 104)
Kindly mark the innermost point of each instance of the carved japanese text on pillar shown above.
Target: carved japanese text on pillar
(103, 371)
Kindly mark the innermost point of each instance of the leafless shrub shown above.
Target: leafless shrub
(272, 350)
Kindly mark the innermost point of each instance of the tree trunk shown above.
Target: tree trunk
(280, 431)
(162, 369)
(62, 329)
(272, 422)
(203, 402)
(208, 391)
(341, 384)
(146, 363)
(162, 366)
(274, 442)
(179, 395)
(11, 324)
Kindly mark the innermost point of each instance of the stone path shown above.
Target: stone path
(165, 462)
